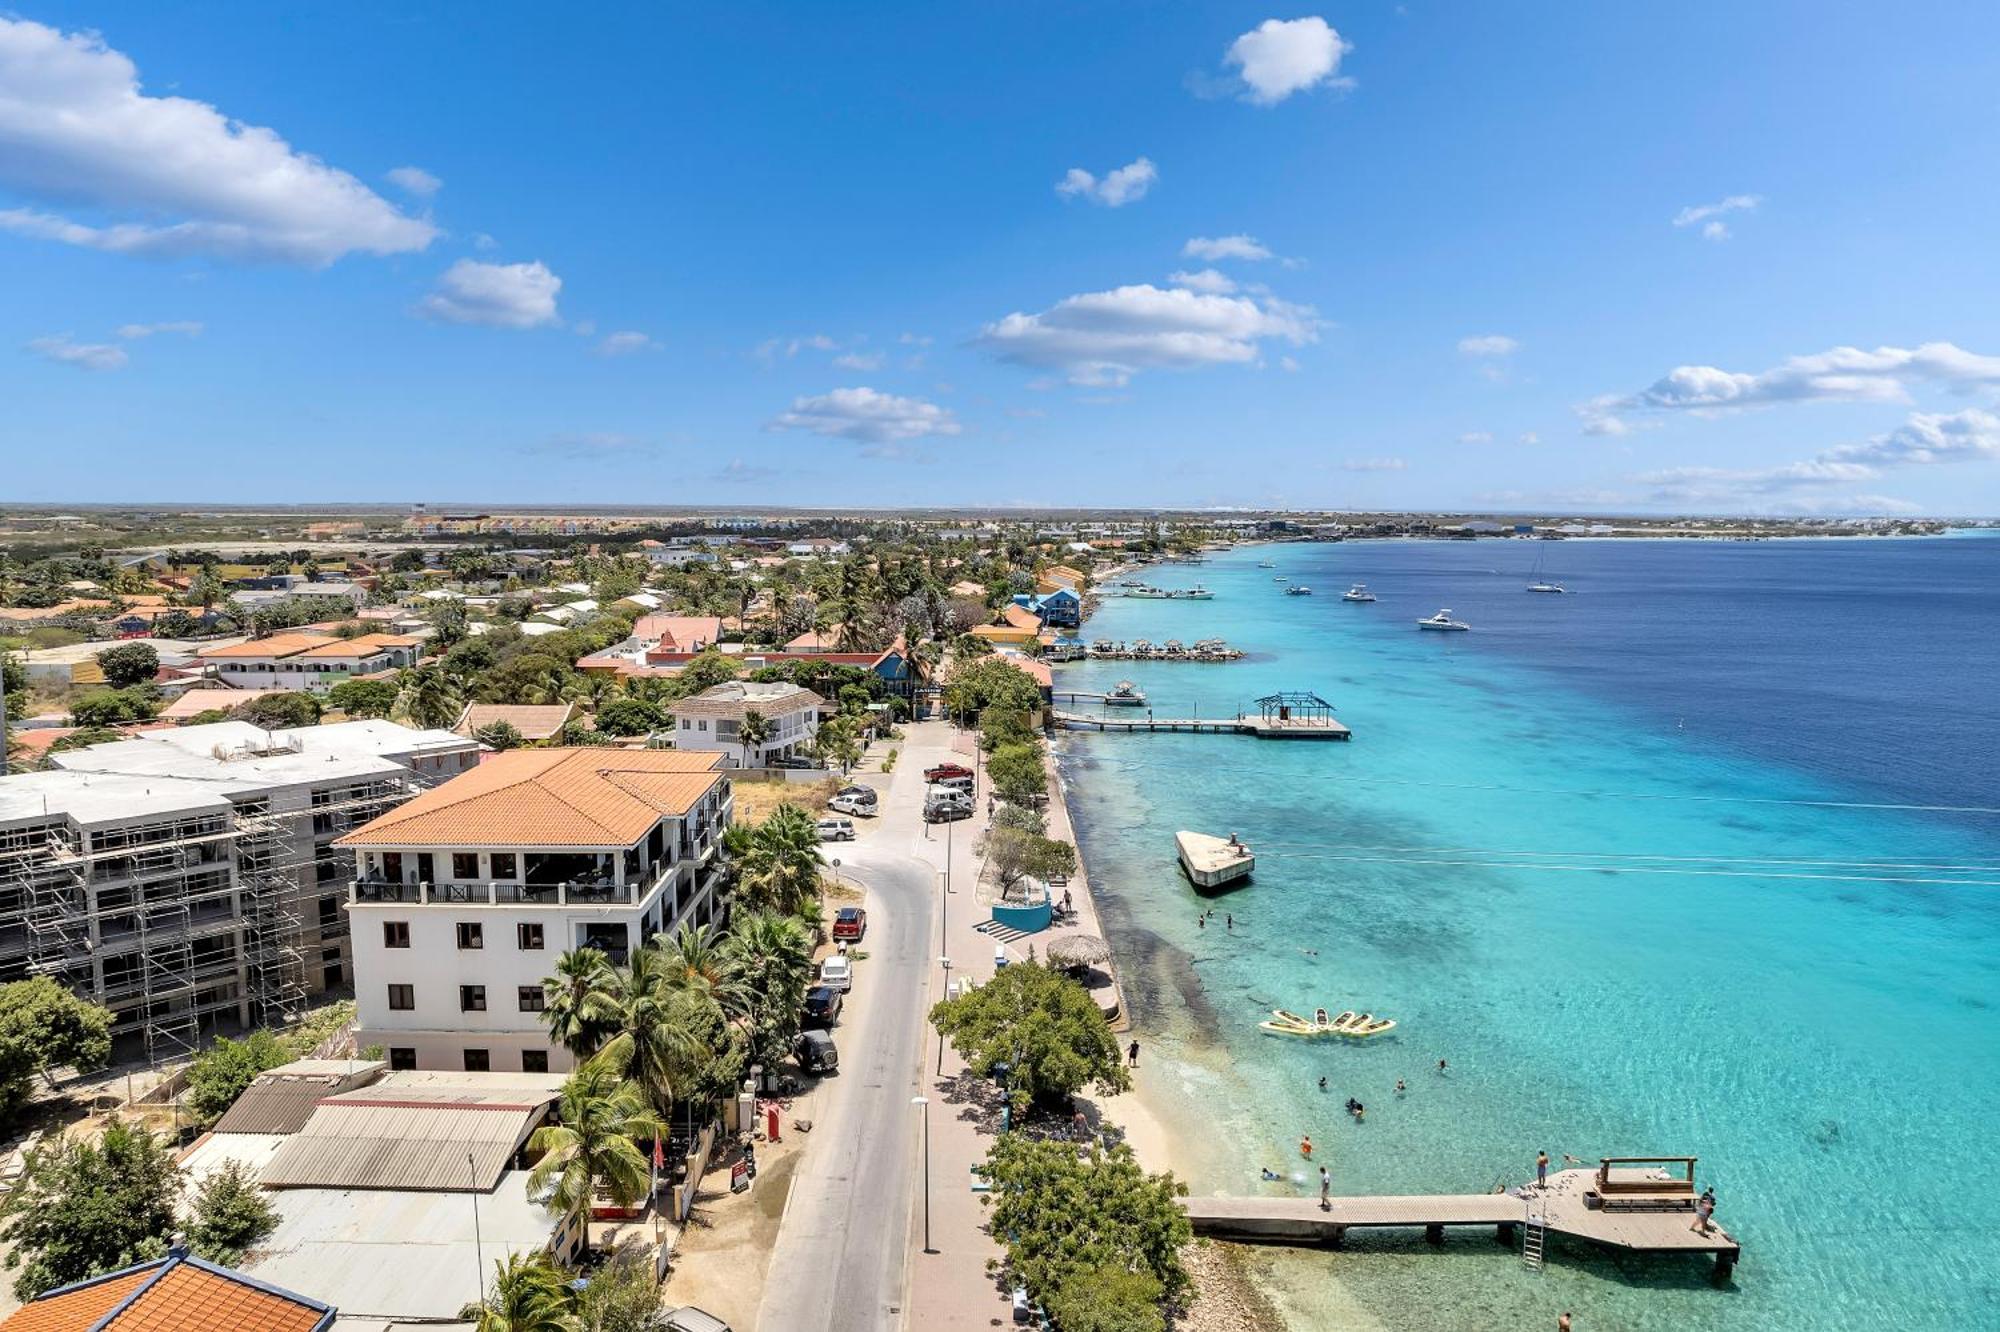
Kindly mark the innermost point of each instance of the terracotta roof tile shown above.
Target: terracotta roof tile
(176, 1294)
(550, 797)
(277, 645)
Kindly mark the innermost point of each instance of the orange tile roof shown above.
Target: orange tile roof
(361, 645)
(177, 1294)
(678, 631)
(1020, 617)
(277, 645)
(550, 797)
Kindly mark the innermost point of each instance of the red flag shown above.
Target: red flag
(659, 1154)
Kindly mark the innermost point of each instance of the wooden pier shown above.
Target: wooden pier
(1571, 1205)
(1278, 717)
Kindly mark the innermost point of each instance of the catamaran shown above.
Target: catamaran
(1359, 592)
(1542, 582)
(1442, 620)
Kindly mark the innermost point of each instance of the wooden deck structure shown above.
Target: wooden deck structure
(1286, 716)
(1571, 1205)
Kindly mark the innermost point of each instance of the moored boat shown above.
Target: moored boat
(1359, 592)
(1125, 695)
(1442, 620)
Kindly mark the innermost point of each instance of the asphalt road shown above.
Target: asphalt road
(840, 1258)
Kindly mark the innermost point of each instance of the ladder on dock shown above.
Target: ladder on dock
(1534, 1237)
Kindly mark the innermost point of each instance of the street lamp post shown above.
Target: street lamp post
(944, 962)
(925, 1102)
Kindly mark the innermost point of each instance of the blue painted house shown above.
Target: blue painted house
(1060, 609)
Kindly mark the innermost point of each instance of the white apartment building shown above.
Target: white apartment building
(464, 898)
(306, 661)
(712, 721)
(186, 877)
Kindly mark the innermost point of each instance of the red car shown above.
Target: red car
(850, 923)
(944, 771)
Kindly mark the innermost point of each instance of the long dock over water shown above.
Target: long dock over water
(1568, 1206)
(1264, 728)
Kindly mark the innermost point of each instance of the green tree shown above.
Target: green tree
(364, 698)
(129, 664)
(990, 682)
(629, 716)
(768, 965)
(705, 671)
(752, 733)
(42, 1027)
(1016, 854)
(228, 1214)
(501, 735)
(1107, 1299)
(1019, 773)
(780, 869)
(593, 1145)
(579, 1007)
(175, 623)
(218, 1075)
(109, 707)
(1072, 1221)
(529, 1294)
(1043, 1026)
(408, 561)
(430, 698)
(82, 1208)
(621, 1295)
(279, 712)
(658, 1035)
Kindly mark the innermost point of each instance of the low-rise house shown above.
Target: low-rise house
(463, 899)
(1059, 608)
(534, 721)
(712, 721)
(309, 661)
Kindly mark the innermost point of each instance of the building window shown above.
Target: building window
(534, 1061)
(471, 934)
(402, 998)
(464, 865)
(472, 998)
(531, 998)
(395, 934)
(529, 935)
(402, 1057)
(478, 1061)
(503, 864)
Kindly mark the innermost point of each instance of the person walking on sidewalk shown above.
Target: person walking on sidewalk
(1132, 1055)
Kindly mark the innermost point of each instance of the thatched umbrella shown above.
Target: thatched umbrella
(1079, 950)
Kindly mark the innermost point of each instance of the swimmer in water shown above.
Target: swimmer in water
(1400, 1088)
(1270, 1174)
(1322, 1084)
(1306, 1146)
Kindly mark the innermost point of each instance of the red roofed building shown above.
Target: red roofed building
(172, 1294)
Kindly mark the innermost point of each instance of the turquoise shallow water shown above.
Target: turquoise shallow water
(1824, 1041)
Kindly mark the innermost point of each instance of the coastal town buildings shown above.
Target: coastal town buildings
(712, 722)
(185, 875)
(308, 661)
(462, 899)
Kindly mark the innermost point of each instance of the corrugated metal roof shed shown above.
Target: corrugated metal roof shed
(281, 1100)
(398, 1135)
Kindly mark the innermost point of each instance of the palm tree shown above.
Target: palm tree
(753, 732)
(428, 697)
(780, 869)
(690, 958)
(529, 1294)
(769, 965)
(601, 1118)
(580, 1006)
(656, 1037)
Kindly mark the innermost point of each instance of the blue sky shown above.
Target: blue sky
(1721, 258)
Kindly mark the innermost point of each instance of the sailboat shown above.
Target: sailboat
(1543, 583)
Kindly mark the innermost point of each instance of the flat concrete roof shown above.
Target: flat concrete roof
(91, 798)
(239, 756)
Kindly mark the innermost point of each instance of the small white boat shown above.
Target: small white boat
(1266, 564)
(1544, 585)
(1442, 620)
(1298, 590)
(1279, 578)
(1125, 695)
(1359, 592)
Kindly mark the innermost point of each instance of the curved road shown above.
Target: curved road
(839, 1263)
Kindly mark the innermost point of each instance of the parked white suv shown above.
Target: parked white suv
(835, 830)
(847, 804)
(837, 973)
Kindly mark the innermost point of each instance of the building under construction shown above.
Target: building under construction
(184, 879)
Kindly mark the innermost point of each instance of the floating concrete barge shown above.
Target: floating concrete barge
(1213, 862)
(1641, 1211)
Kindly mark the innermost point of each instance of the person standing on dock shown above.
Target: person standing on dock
(1541, 1170)
(1325, 1190)
(1704, 1208)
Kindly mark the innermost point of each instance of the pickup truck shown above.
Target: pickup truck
(945, 770)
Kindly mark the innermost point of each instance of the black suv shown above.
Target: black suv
(822, 1006)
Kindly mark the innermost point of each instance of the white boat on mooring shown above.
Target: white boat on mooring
(1442, 620)
(1298, 590)
(1359, 592)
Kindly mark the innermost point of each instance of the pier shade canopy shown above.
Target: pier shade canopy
(1079, 950)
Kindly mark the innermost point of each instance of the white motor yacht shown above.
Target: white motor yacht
(1359, 592)
(1442, 620)
(1298, 590)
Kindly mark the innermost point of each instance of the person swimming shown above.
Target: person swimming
(1322, 1084)
(1270, 1174)
(1400, 1088)
(1306, 1146)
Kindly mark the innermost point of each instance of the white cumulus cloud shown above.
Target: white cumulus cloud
(65, 350)
(171, 176)
(497, 295)
(626, 342)
(1488, 344)
(1103, 338)
(1205, 280)
(413, 180)
(1127, 184)
(1212, 248)
(190, 327)
(1968, 436)
(1709, 216)
(1280, 57)
(1844, 374)
(868, 416)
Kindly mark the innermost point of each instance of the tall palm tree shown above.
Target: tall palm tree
(781, 869)
(691, 957)
(529, 1294)
(752, 732)
(580, 1005)
(429, 698)
(657, 1033)
(593, 1142)
(768, 960)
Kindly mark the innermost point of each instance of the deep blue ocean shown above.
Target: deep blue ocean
(1701, 859)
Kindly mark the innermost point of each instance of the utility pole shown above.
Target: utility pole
(478, 1258)
(925, 1102)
